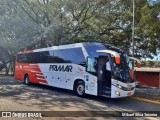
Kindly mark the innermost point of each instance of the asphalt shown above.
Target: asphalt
(17, 96)
(149, 91)
(148, 94)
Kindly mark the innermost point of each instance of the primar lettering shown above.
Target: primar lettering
(62, 68)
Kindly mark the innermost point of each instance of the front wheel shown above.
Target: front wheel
(80, 89)
(26, 80)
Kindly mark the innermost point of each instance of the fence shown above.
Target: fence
(148, 76)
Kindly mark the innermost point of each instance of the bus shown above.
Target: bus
(87, 68)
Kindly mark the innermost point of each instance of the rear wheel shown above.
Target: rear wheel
(26, 80)
(80, 89)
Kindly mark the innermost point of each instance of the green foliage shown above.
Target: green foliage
(30, 24)
(155, 64)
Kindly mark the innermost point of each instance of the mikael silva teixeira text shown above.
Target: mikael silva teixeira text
(138, 114)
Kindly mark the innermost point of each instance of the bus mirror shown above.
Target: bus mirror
(118, 60)
(138, 61)
(138, 64)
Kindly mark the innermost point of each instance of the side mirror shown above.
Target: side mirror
(139, 65)
(138, 62)
(118, 60)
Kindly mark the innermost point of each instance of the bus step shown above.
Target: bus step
(106, 92)
(107, 96)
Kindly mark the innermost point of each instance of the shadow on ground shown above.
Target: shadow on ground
(50, 98)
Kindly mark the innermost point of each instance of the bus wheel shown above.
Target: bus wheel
(80, 89)
(26, 80)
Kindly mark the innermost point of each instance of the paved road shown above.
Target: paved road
(17, 96)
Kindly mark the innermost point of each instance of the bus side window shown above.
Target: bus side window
(91, 65)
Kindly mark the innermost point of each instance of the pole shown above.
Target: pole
(159, 80)
(133, 32)
(133, 35)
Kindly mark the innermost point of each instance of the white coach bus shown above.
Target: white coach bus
(87, 68)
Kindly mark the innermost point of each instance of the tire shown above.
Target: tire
(80, 89)
(26, 80)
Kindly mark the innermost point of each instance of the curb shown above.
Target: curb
(145, 100)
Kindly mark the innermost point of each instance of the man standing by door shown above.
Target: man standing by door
(108, 73)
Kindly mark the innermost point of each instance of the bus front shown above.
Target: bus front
(122, 83)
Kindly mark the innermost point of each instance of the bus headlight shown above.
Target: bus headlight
(119, 86)
(118, 93)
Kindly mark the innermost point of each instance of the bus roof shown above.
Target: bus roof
(91, 47)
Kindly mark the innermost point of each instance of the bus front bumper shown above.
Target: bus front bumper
(120, 89)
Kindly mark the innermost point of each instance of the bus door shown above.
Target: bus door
(104, 73)
(91, 76)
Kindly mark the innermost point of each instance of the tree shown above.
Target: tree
(5, 58)
(30, 24)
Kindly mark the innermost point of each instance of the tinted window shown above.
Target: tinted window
(75, 55)
(37, 57)
(58, 56)
(22, 58)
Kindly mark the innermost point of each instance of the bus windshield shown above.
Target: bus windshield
(121, 71)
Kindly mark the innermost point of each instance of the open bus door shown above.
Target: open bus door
(104, 75)
(97, 66)
(105, 71)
